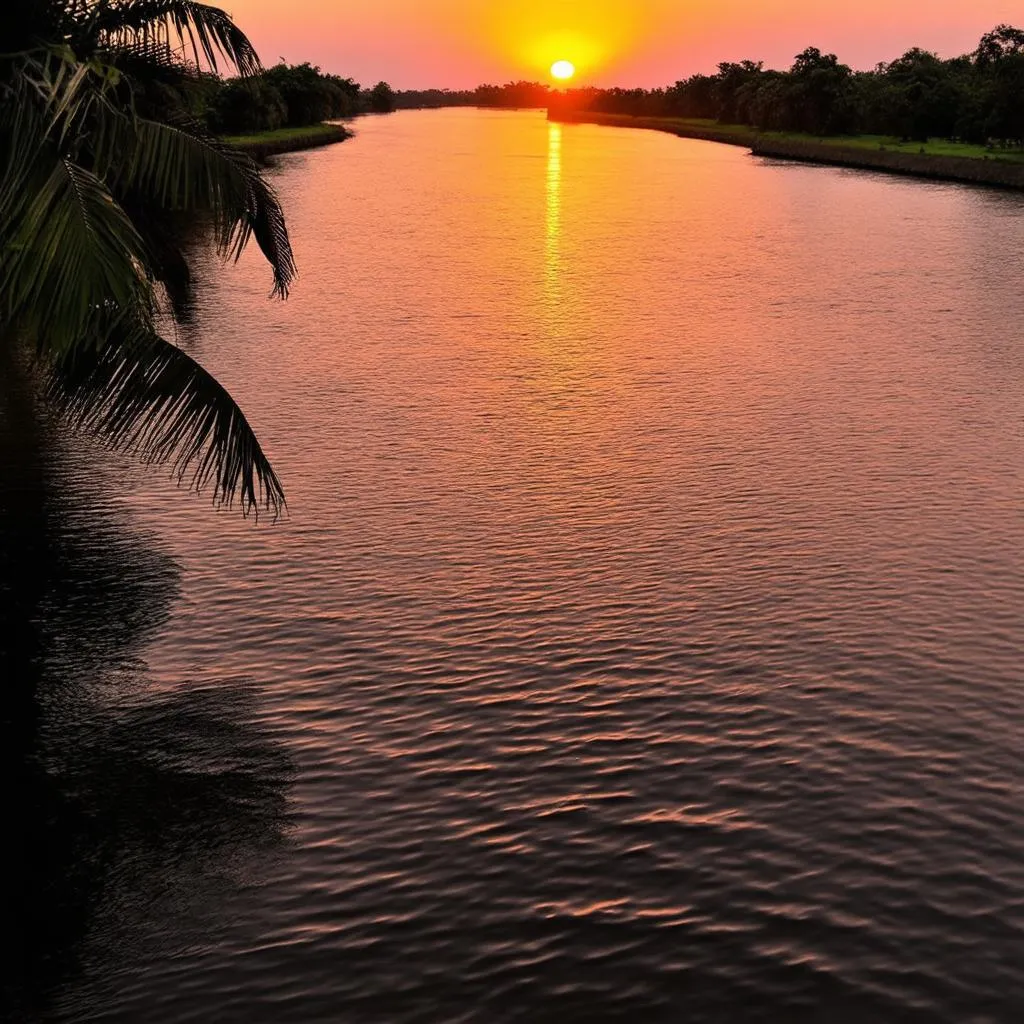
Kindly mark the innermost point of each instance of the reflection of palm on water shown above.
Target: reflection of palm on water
(130, 812)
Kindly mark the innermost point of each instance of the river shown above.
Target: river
(643, 642)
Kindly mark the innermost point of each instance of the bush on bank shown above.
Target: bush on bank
(286, 96)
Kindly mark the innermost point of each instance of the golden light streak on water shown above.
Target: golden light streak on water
(553, 222)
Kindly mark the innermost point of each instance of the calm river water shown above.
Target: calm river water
(644, 641)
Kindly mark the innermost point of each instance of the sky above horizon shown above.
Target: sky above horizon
(462, 43)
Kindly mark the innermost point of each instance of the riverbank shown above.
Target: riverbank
(942, 161)
(263, 145)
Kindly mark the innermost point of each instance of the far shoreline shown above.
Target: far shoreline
(851, 152)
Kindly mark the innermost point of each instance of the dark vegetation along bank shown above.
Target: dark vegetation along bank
(961, 119)
(286, 97)
(977, 98)
(513, 95)
(284, 108)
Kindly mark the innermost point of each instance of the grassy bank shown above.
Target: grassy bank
(952, 161)
(689, 128)
(289, 140)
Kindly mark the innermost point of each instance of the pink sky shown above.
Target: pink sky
(461, 43)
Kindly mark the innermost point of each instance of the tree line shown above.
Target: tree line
(977, 98)
(286, 96)
(522, 95)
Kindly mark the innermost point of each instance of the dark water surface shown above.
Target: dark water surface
(644, 641)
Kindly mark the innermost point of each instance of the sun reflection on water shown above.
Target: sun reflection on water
(553, 224)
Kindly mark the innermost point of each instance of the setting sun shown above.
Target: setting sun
(563, 70)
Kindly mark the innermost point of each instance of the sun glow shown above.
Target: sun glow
(563, 70)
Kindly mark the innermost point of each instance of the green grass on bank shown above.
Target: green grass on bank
(741, 132)
(285, 135)
(745, 136)
(933, 147)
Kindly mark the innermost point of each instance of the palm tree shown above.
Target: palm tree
(104, 172)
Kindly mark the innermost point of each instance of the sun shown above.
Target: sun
(563, 70)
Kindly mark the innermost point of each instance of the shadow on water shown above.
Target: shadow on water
(124, 806)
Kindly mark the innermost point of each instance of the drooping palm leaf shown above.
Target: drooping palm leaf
(207, 31)
(96, 202)
(169, 236)
(72, 252)
(68, 249)
(22, 134)
(184, 167)
(147, 397)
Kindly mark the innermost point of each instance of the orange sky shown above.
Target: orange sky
(461, 43)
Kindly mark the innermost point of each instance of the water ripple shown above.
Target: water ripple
(644, 642)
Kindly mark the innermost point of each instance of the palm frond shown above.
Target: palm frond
(142, 61)
(184, 167)
(207, 31)
(169, 236)
(22, 136)
(145, 396)
(96, 204)
(71, 254)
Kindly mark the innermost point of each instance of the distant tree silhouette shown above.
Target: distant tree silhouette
(382, 98)
(524, 95)
(978, 97)
(284, 96)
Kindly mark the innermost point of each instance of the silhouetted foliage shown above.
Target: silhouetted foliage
(246, 105)
(433, 99)
(978, 97)
(382, 98)
(523, 95)
(284, 96)
(104, 170)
